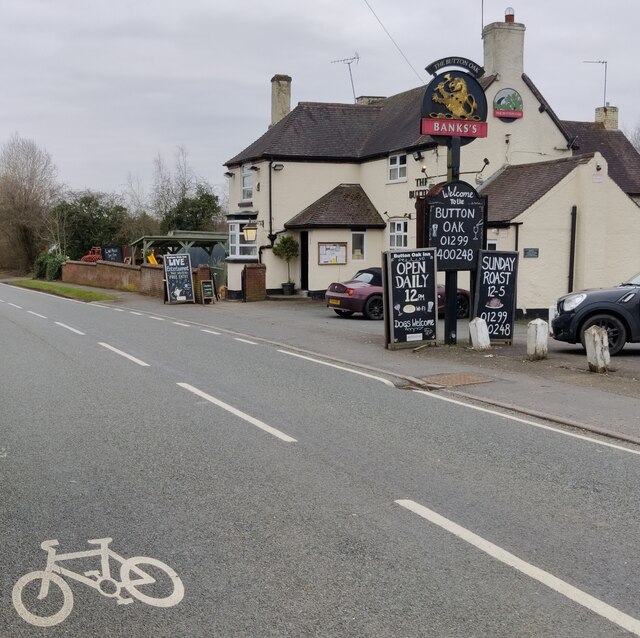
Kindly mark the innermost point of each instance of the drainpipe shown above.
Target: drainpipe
(271, 236)
(572, 247)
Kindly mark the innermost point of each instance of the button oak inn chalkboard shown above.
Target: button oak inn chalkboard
(495, 293)
(178, 277)
(410, 297)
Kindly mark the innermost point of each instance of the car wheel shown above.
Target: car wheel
(343, 313)
(615, 331)
(374, 308)
(462, 307)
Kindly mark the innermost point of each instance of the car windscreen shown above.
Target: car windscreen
(368, 277)
(633, 281)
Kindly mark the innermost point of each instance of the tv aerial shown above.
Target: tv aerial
(349, 62)
(604, 63)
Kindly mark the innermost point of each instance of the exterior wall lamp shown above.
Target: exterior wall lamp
(417, 155)
(255, 168)
(278, 167)
(250, 231)
(229, 174)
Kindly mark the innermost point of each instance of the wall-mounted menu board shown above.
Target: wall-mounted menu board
(495, 292)
(410, 295)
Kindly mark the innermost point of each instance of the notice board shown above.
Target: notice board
(495, 292)
(179, 279)
(410, 297)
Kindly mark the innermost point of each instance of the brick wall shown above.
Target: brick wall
(255, 282)
(146, 279)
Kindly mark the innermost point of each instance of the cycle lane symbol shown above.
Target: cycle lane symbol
(134, 581)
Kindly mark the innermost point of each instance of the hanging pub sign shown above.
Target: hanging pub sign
(495, 292)
(454, 103)
(179, 279)
(410, 297)
(456, 225)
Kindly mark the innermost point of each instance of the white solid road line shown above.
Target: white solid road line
(243, 415)
(573, 593)
(123, 354)
(527, 422)
(64, 325)
(333, 365)
(37, 314)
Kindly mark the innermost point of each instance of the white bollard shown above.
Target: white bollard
(553, 311)
(596, 342)
(479, 334)
(537, 340)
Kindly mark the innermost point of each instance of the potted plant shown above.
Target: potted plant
(287, 248)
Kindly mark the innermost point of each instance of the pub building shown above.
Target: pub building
(351, 180)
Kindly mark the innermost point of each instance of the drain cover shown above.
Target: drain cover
(450, 380)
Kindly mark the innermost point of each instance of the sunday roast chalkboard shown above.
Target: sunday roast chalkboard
(177, 274)
(495, 298)
(410, 295)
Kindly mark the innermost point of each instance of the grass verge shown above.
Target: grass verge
(79, 294)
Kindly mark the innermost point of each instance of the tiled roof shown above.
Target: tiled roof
(319, 131)
(514, 189)
(621, 156)
(347, 205)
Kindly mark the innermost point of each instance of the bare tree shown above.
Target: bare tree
(28, 189)
(169, 189)
(634, 138)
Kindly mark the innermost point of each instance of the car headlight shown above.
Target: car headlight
(573, 301)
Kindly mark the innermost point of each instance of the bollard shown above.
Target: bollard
(553, 312)
(479, 334)
(596, 342)
(537, 339)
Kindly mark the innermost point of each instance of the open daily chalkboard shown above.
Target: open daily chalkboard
(410, 291)
(495, 294)
(177, 274)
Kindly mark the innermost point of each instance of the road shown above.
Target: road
(287, 496)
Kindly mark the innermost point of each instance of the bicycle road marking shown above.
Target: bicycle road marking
(333, 365)
(125, 591)
(541, 426)
(243, 415)
(64, 325)
(123, 354)
(553, 582)
(37, 314)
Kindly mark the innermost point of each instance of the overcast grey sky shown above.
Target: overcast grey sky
(106, 85)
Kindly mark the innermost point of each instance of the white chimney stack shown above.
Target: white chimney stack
(504, 46)
(280, 97)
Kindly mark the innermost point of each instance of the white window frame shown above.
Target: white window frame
(398, 233)
(397, 167)
(239, 247)
(364, 245)
(247, 183)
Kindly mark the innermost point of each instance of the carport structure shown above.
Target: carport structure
(181, 241)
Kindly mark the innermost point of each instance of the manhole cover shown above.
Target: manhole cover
(450, 380)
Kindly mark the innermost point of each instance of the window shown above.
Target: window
(247, 182)
(357, 246)
(398, 230)
(238, 246)
(397, 168)
(492, 245)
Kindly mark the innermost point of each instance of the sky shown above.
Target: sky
(105, 86)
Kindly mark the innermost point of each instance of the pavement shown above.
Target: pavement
(559, 388)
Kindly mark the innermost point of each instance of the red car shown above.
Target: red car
(363, 294)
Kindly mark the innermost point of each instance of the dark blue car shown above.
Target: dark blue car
(615, 309)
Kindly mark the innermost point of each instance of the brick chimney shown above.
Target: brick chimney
(504, 47)
(608, 115)
(280, 97)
